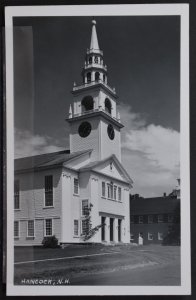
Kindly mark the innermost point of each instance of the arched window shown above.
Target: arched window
(103, 77)
(97, 76)
(87, 103)
(108, 106)
(90, 60)
(89, 77)
(96, 60)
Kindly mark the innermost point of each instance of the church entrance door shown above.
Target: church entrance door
(111, 229)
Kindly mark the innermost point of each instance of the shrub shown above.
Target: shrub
(50, 242)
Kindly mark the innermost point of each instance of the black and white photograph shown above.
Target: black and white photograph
(98, 199)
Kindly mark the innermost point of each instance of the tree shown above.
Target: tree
(88, 231)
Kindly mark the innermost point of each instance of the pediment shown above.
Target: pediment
(111, 167)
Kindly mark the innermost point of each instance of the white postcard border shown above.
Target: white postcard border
(104, 10)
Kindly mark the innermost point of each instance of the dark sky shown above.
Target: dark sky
(142, 54)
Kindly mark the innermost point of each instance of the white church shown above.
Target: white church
(53, 191)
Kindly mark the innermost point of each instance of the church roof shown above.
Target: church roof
(93, 165)
(46, 160)
(155, 205)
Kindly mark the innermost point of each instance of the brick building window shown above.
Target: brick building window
(150, 219)
(30, 228)
(132, 219)
(76, 186)
(103, 189)
(16, 194)
(16, 229)
(170, 218)
(160, 236)
(150, 236)
(76, 227)
(160, 218)
(48, 227)
(49, 190)
(141, 219)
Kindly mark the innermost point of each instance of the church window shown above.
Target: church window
(103, 77)
(115, 192)
(150, 236)
(76, 186)
(90, 60)
(103, 189)
(96, 60)
(87, 103)
(88, 77)
(84, 207)
(110, 190)
(30, 228)
(150, 219)
(119, 194)
(16, 194)
(85, 226)
(160, 218)
(108, 106)
(76, 227)
(48, 227)
(16, 228)
(97, 76)
(49, 190)
(141, 220)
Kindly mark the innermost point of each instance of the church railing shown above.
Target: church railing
(78, 87)
(95, 110)
(94, 65)
(89, 51)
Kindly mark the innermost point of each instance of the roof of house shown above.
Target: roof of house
(156, 205)
(45, 160)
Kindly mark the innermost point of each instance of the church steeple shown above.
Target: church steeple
(94, 41)
(93, 116)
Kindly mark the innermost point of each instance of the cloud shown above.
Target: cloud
(27, 144)
(150, 152)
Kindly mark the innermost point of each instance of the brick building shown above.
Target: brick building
(152, 218)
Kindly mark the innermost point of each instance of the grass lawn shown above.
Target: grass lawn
(77, 261)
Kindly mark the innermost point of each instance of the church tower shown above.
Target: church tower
(93, 117)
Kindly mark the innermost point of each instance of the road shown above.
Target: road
(99, 265)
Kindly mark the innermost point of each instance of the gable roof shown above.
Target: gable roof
(156, 205)
(113, 158)
(46, 160)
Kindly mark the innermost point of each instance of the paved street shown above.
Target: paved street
(100, 265)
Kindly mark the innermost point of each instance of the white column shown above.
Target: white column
(115, 230)
(85, 79)
(66, 213)
(93, 76)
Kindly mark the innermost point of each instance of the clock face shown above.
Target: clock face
(111, 133)
(84, 129)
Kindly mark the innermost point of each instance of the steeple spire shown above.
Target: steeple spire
(94, 41)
